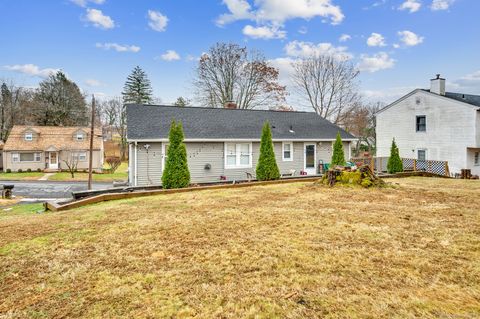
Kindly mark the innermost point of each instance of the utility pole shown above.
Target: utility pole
(90, 157)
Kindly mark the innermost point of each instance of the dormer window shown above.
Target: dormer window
(28, 136)
(80, 136)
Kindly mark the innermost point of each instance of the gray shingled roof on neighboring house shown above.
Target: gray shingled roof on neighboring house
(466, 98)
(146, 122)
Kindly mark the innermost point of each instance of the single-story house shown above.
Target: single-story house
(433, 124)
(51, 148)
(224, 143)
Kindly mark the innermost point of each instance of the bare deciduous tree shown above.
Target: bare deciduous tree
(71, 161)
(328, 84)
(229, 72)
(114, 116)
(361, 123)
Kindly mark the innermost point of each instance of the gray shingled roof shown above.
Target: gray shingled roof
(466, 98)
(153, 122)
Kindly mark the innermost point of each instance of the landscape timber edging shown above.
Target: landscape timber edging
(55, 207)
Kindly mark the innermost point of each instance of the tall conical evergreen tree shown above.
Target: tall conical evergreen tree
(395, 163)
(137, 88)
(338, 156)
(176, 173)
(267, 168)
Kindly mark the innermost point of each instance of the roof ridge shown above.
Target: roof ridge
(218, 108)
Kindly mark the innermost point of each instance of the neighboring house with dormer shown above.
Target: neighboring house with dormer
(50, 147)
(433, 125)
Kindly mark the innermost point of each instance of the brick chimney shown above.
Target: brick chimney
(437, 85)
(230, 105)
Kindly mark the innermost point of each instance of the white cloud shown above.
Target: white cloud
(170, 55)
(409, 38)
(469, 83)
(387, 95)
(279, 11)
(118, 47)
(376, 62)
(306, 49)
(441, 4)
(83, 3)
(303, 30)
(344, 38)
(264, 32)
(31, 69)
(411, 5)
(99, 20)
(376, 40)
(396, 45)
(285, 69)
(157, 21)
(93, 83)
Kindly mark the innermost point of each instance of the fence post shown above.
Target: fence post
(372, 164)
(429, 166)
(447, 171)
(414, 165)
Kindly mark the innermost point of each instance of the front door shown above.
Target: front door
(310, 159)
(53, 160)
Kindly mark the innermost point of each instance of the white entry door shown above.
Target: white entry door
(53, 160)
(310, 159)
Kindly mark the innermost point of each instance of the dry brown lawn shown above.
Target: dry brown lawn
(289, 251)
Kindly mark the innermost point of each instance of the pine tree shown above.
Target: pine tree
(338, 157)
(176, 173)
(395, 163)
(182, 102)
(267, 168)
(137, 88)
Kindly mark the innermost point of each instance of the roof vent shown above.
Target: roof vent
(463, 96)
(291, 129)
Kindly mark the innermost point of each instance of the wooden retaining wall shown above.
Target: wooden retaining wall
(52, 206)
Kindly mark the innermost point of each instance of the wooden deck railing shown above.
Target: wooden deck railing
(379, 165)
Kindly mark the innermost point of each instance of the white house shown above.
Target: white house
(433, 125)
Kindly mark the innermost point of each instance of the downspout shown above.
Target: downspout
(130, 162)
(136, 153)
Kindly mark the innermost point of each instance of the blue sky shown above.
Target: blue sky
(397, 44)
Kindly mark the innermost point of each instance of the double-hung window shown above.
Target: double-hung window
(80, 156)
(421, 123)
(287, 151)
(238, 155)
(422, 155)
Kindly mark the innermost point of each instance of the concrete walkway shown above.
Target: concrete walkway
(45, 177)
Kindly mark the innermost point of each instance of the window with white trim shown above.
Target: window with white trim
(287, 151)
(29, 136)
(80, 136)
(238, 155)
(80, 156)
(422, 155)
(476, 160)
(26, 157)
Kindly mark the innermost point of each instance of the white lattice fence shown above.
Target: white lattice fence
(379, 164)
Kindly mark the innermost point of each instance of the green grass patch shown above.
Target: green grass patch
(20, 176)
(120, 175)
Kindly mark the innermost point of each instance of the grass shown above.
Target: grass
(20, 176)
(120, 175)
(287, 251)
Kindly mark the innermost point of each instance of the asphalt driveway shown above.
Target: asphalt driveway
(50, 189)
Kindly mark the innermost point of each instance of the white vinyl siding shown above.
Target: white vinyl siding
(238, 155)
